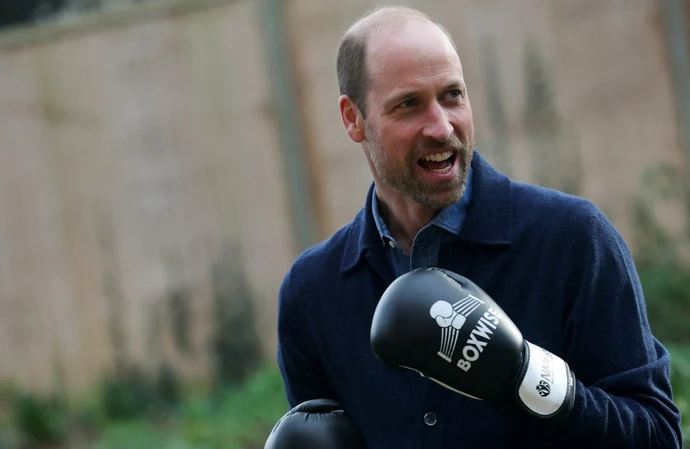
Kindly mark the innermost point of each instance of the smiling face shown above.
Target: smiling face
(418, 134)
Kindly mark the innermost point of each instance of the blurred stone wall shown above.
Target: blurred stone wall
(135, 155)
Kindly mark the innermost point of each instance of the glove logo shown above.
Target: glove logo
(543, 388)
(450, 319)
(544, 385)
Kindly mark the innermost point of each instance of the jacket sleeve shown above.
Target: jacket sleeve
(298, 357)
(623, 391)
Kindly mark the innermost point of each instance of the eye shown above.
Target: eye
(455, 94)
(408, 103)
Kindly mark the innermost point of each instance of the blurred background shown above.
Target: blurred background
(163, 162)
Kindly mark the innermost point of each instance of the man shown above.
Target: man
(552, 262)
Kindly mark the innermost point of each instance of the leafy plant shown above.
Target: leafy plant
(664, 274)
(41, 419)
(126, 393)
(238, 418)
(236, 346)
(166, 388)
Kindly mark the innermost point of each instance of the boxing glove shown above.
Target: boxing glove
(445, 327)
(315, 424)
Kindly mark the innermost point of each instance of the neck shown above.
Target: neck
(403, 216)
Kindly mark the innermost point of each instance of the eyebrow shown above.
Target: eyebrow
(406, 94)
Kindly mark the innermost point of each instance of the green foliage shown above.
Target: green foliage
(664, 274)
(665, 277)
(166, 388)
(240, 418)
(236, 346)
(137, 408)
(667, 288)
(133, 435)
(40, 419)
(126, 393)
(129, 392)
(233, 418)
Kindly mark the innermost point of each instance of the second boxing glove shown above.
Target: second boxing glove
(445, 327)
(316, 424)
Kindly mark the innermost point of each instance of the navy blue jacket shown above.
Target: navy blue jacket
(559, 270)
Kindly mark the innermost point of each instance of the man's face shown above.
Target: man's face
(419, 132)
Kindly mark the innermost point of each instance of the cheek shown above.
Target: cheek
(463, 123)
(397, 139)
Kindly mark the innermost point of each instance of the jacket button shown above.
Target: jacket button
(430, 419)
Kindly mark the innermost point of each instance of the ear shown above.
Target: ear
(352, 119)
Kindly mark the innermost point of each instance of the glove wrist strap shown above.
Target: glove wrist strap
(546, 389)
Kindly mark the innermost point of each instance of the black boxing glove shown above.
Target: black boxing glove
(445, 327)
(316, 424)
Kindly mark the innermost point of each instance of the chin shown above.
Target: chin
(440, 200)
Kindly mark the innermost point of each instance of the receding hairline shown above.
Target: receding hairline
(389, 16)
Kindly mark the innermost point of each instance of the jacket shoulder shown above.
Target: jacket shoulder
(317, 266)
(553, 208)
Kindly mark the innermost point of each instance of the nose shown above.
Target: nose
(437, 125)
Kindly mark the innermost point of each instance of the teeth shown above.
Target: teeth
(438, 157)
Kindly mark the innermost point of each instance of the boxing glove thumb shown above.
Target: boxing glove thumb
(316, 424)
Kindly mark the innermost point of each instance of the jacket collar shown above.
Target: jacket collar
(489, 217)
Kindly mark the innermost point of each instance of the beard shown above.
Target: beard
(401, 175)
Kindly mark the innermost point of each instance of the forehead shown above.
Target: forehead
(411, 55)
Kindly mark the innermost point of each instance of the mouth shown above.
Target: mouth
(441, 162)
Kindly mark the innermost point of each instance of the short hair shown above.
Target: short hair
(353, 77)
